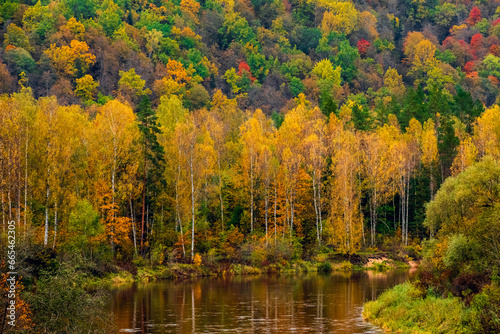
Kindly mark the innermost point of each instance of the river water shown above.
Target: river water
(288, 303)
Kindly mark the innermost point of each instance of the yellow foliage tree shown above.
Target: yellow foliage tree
(424, 56)
(176, 78)
(115, 134)
(379, 169)
(191, 9)
(86, 87)
(253, 134)
(466, 155)
(394, 82)
(487, 133)
(345, 220)
(196, 160)
(75, 27)
(340, 17)
(368, 22)
(411, 41)
(68, 59)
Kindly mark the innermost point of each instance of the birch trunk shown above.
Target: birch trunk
(220, 193)
(26, 183)
(316, 207)
(192, 201)
(46, 234)
(55, 225)
(251, 192)
(275, 205)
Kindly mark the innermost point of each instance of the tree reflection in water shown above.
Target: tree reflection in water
(306, 303)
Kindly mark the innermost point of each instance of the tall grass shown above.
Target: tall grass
(406, 309)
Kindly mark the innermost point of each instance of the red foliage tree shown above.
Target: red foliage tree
(363, 46)
(244, 69)
(448, 41)
(476, 41)
(495, 50)
(469, 66)
(497, 21)
(474, 16)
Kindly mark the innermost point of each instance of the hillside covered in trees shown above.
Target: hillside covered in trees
(168, 128)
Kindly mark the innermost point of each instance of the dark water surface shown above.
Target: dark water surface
(290, 303)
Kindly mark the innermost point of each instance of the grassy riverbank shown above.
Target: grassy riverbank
(406, 308)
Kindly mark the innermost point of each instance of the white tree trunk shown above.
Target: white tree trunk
(46, 235)
(55, 225)
(192, 201)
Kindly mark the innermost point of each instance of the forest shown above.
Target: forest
(248, 131)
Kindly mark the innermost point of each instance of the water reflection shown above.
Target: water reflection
(307, 303)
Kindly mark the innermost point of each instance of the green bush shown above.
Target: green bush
(258, 256)
(486, 310)
(157, 255)
(324, 267)
(460, 251)
(380, 266)
(346, 266)
(254, 252)
(212, 257)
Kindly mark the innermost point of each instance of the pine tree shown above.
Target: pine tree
(153, 153)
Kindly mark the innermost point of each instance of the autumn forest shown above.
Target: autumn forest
(258, 132)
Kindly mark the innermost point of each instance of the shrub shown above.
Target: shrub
(197, 259)
(486, 310)
(382, 266)
(468, 284)
(61, 305)
(324, 267)
(157, 255)
(238, 269)
(281, 251)
(346, 266)
(460, 251)
(254, 251)
(212, 257)
(414, 251)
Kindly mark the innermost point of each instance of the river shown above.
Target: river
(288, 303)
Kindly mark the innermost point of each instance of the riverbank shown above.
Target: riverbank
(323, 263)
(407, 309)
